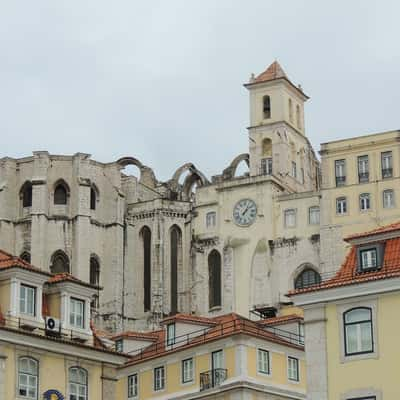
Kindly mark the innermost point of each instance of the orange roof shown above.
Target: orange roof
(281, 320)
(224, 326)
(64, 277)
(191, 319)
(348, 274)
(150, 336)
(274, 71)
(383, 229)
(9, 261)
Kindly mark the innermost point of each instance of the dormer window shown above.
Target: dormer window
(27, 300)
(370, 257)
(267, 107)
(170, 334)
(77, 313)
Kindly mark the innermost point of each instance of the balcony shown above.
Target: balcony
(212, 378)
(363, 177)
(387, 173)
(340, 180)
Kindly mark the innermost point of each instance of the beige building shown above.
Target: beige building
(235, 244)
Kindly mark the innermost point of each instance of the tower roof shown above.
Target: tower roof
(274, 71)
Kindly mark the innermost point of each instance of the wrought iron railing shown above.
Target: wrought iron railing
(212, 378)
(363, 177)
(340, 180)
(387, 172)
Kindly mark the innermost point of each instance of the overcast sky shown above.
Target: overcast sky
(162, 80)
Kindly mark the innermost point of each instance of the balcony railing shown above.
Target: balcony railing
(212, 378)
(340, 180)
(387, 172)
(363, 177)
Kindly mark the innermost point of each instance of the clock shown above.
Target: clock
(245, 212)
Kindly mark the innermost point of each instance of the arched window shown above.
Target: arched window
(307, 277)
(28, 369)
(290, 110)
(26, 256)
(78, 384)
(145, 234)
(26, 194)
(267, 107)
(93, 197)
(358, 332)
(61, 193)
(298, 117)
(94, 277)
(59, 262)
(175, 239)
(214, 279)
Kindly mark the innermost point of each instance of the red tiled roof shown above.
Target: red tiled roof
(383, 229)
(191, 319)
(64, 277)
(281, 320)
(150, 336)
(274, 71)
(224, 326)
(9, 261)
(348, 274)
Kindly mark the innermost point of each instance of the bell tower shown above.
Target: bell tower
(278, 145)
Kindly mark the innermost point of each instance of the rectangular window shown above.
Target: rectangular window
(290, 218)
(170, 334)
(159, 379)
(313, 215)
(77, 313)
(263, 361)
(119, 345)
(294, 170)
(293, 369)
(365, 201)
(187, 370)
(369, 258)
(266, 166)
(358, 331)
(211, 219)
(363, 169)
(387, 164)
(27, 300)
(388, 198)
(341, 205)
(302, 175)
(133, 386)
(340, 172)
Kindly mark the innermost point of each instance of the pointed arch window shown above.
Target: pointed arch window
(94, 271)
(307, 277)
(26, 194)
(59, 263)
(26, 256)
(61, 194)
(145, 234)
(93, 197)
(176, 239)
(214, 277)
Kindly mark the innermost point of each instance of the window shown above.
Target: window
(170, 334)
(94, 275)
(341, 205)
(175, 259)
(59, 262)
(290, 218)
(340, 172)
(358, 331)
(388, 198)
(211, 219)
(290, 110)
(387, 164)
(294, 170)
(27, 300)
(119, 345)
(214, 278)
(159, 378)
(302, 175)
(307, 278)
(266, 166)
(293, 369)
(187, 370)
(266, 107)
(363, 169)
(298, 120)
(313, 215)
(93, 198)
(369, 258)
(28, 378)
(26, 194)
(77, 313)
(263, 361)
(145, 235)
(365, 201)
(26, 256)
(133, 386)
(60, 194)
(78, 384)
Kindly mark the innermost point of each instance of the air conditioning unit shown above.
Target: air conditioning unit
(53, 326)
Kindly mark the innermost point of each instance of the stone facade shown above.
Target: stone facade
(107, 212)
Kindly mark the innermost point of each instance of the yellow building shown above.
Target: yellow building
(351, 323)
(226, 357)
(47, 347)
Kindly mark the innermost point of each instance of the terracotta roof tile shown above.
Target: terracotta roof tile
(383, 229)
(9, 261)
(281, 320)
(274, 71)
(65, 277)
(150, 336)
(189, 318)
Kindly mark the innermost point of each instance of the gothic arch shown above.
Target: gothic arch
(61, 192)
(147, 176)
(59, 262)
(25, 194)
(300, 274)
(175, 237)
(214, 279)
(230, 171)
(94, 196)
(146, 240)
(193, 177)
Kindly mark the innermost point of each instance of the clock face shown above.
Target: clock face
(245, 212)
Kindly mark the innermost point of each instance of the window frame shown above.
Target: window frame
(286, 213)
(299, 277)
(314, 208)
(34, 289)
(183, 375)
(211, 219)
(342, 199)
(259, 361)
(297, 363)
(340, 180)
(346, 324)
(266, 166)
(393, 204)
(163, 379)
(28, 375)
(266, 102)
(364, 198)
(387, 155)
(74, 314)
(133, 385)
(363, 163)
(294, 170)
(171, 340)
(78, 384)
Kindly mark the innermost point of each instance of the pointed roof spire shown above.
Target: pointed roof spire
(274, 71)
